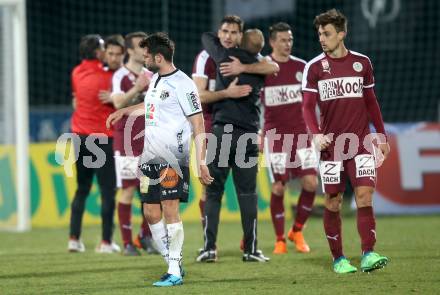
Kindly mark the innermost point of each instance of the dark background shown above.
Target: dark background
(403, 50)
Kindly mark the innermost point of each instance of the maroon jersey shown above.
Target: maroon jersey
(282, 98)
(204, 67)
(339, 83)
(123, 81)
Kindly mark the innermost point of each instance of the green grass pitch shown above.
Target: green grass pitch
(37, 263)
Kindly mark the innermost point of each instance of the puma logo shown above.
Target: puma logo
(280, 215)
(335, 237)
(306, 208)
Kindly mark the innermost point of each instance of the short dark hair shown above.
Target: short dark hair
(115, 40)
(278, 27)
(88, 46)
(334, 17)
(233, 19)
(129, 38)
(159, 43)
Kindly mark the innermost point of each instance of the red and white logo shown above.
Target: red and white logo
(411, 173)
(325, 66)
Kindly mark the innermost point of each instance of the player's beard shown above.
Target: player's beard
(153, 67)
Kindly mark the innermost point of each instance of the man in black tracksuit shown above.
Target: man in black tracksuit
(235, 125)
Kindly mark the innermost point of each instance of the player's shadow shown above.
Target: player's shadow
(47, 274)
(319, 261)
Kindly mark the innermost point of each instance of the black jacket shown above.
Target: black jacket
(243, 112)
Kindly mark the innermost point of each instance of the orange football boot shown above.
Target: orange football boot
(280, 247)
(298, 239)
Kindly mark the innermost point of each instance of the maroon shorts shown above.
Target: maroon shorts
(208, 125)
(289, 158)
(127, 153)
(334, 171)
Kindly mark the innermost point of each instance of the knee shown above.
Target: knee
(152, 215)
(170, 217)
(108, 206)
(310, 184)
(364, 198)
(82, 192)
(333, 202)
(211, 197)
(171, 211)
(278, 189)
(127, 194)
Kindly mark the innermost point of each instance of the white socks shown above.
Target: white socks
(175, 237)
(160, 238)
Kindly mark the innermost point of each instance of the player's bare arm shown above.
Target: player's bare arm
(235, 67)
(121, 99)
(233, 91)
(73, 101)
(116, 116)
(198, 127)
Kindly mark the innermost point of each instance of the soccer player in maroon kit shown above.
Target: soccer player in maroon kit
(341, 82)
(203, 74)
(282, 100)
(130, 84)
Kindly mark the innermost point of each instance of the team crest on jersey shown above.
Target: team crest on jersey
(149, 110)
(325, 66)
(299, 76)
(357, 66)
(164, 95)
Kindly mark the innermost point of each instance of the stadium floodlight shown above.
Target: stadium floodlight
(14, 114)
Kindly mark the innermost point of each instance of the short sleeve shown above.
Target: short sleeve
(210, 69)
(116, 83)
(368, 76)
(310, 79)
(201, 65)
(188, 97)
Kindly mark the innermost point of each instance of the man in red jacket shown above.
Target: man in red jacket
(95, 153)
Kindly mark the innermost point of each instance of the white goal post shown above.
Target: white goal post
(15, 113)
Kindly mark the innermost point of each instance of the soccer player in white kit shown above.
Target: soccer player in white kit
(172, 113)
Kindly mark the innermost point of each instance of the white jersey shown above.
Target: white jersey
(169, 101)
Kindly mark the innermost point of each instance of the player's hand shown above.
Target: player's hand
(205, 178)
(142, 82)
(237, 91)
(385, 149)
(105, 96)
(232, 68)
(321, 141)
(260, 141)
(73, 100)
(114, 117)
